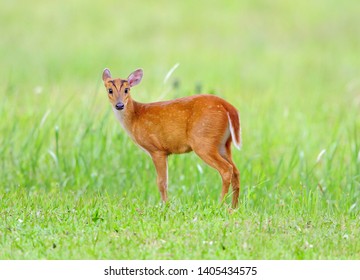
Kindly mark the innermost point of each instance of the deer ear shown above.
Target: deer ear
(106, 74)
(135, 77)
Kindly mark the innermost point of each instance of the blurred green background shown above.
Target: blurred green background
(292, 69)
(255, 45)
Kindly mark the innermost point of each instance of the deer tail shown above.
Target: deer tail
(234, 124)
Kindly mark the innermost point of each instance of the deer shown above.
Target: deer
(204, 123)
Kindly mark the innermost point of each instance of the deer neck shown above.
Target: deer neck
(128, 116)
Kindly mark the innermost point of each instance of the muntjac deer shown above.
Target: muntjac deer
(205, 124)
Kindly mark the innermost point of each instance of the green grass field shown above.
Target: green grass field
(74, 186)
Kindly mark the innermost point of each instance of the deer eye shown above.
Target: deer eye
(126, 90)
(110, 90)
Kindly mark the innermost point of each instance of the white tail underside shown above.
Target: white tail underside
(236, 144)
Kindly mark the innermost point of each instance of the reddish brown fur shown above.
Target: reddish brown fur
(198, 123)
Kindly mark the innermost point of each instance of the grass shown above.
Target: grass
(74, 226)
(73, 186)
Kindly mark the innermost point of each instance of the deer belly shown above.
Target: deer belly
(169, 143)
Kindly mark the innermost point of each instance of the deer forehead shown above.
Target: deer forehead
(117, 83)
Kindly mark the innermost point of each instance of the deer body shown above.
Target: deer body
(205, 124)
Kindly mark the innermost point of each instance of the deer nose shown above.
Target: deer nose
(119, 106)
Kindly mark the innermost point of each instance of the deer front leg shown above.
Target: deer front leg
(160, 162)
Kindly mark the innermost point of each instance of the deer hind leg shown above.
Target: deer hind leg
(212, 157)
(160, 162)
(235, 180)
